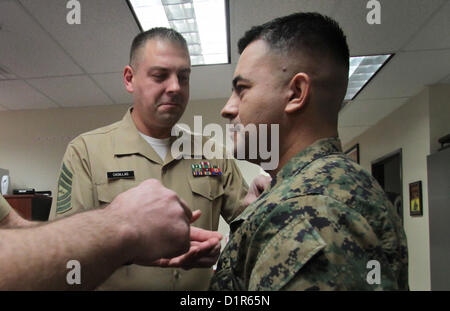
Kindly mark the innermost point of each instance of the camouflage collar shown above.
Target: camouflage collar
(296, 164)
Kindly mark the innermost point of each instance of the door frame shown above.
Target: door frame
(383, 159)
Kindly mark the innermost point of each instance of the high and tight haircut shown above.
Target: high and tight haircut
(313, 33)
(160, 33)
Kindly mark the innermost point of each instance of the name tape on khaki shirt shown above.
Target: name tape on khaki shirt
(119, 175)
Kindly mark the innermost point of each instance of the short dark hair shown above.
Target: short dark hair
(162, 33)
(310, 32)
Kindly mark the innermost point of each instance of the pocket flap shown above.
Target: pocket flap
(206, 187)
(107, 192)
(284, 256)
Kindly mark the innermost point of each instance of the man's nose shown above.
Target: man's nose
(231, 109)
(173, 84)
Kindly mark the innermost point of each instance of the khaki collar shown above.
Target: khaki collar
(127, 141)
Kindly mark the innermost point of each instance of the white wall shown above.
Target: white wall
(407, 128)
(32, 142)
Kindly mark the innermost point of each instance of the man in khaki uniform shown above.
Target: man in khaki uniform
(103, 163)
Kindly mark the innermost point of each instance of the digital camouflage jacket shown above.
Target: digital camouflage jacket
(324, 223)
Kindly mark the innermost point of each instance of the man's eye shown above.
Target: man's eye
(183, 78)
(239, 88)
(159, 77)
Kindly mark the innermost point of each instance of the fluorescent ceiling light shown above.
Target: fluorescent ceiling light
(201, 22)
(362, 69)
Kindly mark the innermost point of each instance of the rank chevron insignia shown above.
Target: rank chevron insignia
(63, 202)
(205, 169)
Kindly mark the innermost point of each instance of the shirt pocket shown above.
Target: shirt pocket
(107, 192)
(209, 188)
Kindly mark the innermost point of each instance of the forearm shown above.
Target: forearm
(36, 258)
(14, 220)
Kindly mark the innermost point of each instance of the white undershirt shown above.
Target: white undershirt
(161, 146)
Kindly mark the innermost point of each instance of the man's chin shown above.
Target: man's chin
(169, 119)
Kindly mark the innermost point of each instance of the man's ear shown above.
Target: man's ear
(128, 74)
(299, 88)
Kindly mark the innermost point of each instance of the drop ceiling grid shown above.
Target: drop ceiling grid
(98, 48)
(28, 51)
(16, 95)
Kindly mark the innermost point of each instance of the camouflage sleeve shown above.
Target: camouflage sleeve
(285, 253)
(75, 188)
(316, 243)
(5, 208)
(235, 189)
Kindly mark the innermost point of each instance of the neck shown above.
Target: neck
(297, 141)
(154, 132)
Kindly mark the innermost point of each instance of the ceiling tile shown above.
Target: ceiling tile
(406, 74)
(102, 41)
(75, 91)
(400, 20)
(5, 73)
(29, 51)
(112, 83)
(15, 95)
(436, 34)
(248, 13)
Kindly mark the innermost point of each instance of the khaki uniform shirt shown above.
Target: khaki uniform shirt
(320, 225)
(84, 184)
(5, 208)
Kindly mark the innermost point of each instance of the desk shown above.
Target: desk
(31, 206)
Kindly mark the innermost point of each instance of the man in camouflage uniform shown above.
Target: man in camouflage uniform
(323, 223)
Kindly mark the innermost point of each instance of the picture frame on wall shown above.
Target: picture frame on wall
(353, 153)
(415, 199)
